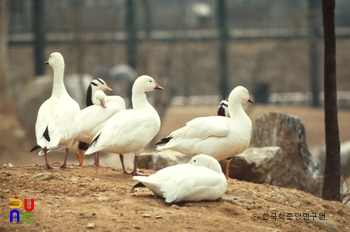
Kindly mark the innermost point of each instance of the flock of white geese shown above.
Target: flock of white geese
(105, 125)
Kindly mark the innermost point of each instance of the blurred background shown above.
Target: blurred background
(198, 50)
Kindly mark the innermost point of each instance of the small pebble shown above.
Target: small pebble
(43, 176)
(90, 225)
(7, 173)
(103, 198)
(146, 215)
(175, 207)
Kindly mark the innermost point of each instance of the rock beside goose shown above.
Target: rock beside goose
(200, 179)
(58, 119)
(129, 131)
(217, 136)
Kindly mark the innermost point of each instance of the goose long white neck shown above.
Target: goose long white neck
(139, 100)
(237, 112)
(58, 87)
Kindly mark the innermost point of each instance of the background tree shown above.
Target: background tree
(39, 37)
(131, 29)
(313, 18)
(223, 41)
(331, 184)
(4, 26)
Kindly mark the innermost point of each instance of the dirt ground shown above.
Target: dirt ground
(101, 199)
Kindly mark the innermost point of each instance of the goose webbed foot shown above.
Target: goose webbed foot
(64, 165)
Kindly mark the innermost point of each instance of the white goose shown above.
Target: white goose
(129, 131)
(95, 85)
(58, 119)
(95, 117)
(217, 136)
(200, 179)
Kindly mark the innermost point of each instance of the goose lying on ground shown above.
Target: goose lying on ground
(129, 131)
(200, 179)
(217, 136)
(58, 119)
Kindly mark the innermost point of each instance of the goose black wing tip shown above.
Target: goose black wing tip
(35, 148)
(94, 140)
(164, 140)
(138, 185)
(83, 146)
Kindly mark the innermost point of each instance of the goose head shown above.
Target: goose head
(145, 84)
(99, 84)
(240, 95)
(95, 85)
(206, 161)
(100, 98)
(55, 60)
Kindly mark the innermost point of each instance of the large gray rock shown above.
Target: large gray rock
(297, 168)
(39, 90)
(255, 164)
(161, 160)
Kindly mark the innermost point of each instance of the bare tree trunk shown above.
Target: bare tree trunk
(39, 37)
(223, 40)
(313, 51)
(4, 26)
(331, 185)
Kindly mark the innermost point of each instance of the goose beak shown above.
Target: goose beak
(250, 100)
(158, 87)
(108, 88)
(46, 62)
(103, 103)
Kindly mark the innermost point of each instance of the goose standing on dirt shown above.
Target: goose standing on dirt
(78, 147)
(200, 179)
(129, 131)
(217, 136)
(94, 117)
(58, 119)
(95, 85)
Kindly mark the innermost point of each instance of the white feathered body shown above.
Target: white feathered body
(185, 182)
(94, 117)
(127, 131)
(217, 136)
(60, 115)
